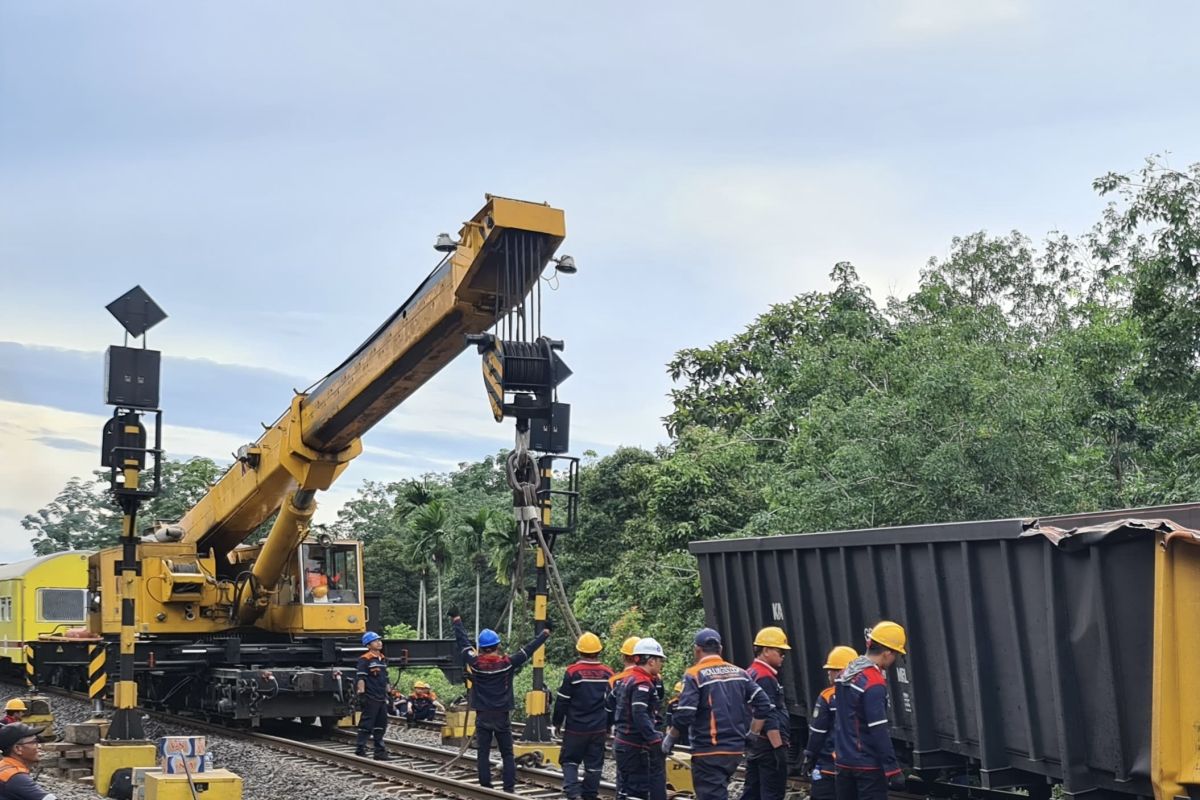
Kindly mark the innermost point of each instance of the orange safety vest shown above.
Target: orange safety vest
(10, 766)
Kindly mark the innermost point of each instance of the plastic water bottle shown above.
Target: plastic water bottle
(208, 762)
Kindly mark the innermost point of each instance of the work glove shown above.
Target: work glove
(897, 781)
(668, 744)
(781, 758)
(548, 625)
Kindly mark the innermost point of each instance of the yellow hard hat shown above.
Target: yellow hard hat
(420, 685)
(678, 686)
(628, 645)
(321, 590)
(840, 657)
(16, 704)
(772, 637)
(589, 644)
(890, 635)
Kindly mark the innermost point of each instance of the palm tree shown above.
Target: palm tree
(430, 524)
(504, 554)
(472, 540)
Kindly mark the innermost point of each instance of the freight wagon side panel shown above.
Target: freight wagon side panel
(1023, 656)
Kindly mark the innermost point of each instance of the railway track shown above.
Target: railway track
(415, 771)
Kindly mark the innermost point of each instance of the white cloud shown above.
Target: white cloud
(939, 19)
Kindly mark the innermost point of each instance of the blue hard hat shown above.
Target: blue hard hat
(488, 638)
(370, 636)
(707, 637)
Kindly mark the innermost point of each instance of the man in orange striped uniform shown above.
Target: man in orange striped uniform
(818, 754)
(717, 703)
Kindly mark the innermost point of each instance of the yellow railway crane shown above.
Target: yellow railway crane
(247, 631)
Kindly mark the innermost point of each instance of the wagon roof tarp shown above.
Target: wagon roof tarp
(1068, 531)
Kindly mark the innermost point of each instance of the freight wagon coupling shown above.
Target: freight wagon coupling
(1053, 651)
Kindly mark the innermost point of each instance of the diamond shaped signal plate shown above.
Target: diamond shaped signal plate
(136, 312)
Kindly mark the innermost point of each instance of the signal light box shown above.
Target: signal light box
(131, 377)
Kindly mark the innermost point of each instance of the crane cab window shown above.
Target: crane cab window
(329, 573)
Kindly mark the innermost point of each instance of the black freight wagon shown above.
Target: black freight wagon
(1059, 650)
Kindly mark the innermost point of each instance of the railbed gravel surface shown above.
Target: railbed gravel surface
(266, 774)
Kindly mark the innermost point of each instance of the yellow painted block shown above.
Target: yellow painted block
(125, 694)
(535, 704)
(112, 756)
(679, 773)
(218, 784)
(543, 752)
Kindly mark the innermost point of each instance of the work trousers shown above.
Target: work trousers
(765, 779)
(641, 773)
(861, 784)
(421, 714)
(495, 725)
(588, 750)
(824, 789)
(711, 774)
(373, 723)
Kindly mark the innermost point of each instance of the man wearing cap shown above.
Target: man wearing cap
(767, 756)
(492, 695)
(818, 753)
(717, 702)
(19, 748)
(579, 712)
(866, 762)
(371, 685)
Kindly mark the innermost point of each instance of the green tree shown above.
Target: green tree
(472, 542)
(431, 540)
(81, 517)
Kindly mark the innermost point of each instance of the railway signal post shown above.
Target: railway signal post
(131, 387)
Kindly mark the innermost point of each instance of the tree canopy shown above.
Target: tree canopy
(1019, 378)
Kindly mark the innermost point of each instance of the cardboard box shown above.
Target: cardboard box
(176, 751)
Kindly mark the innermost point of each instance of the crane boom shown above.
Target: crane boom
(498, 259)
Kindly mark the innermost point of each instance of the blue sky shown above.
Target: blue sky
(274, 174)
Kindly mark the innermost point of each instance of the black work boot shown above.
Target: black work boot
(360, 751)
(382, 755)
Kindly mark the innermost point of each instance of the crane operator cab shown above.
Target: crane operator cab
(329, 573)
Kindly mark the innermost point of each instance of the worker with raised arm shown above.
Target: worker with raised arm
(717, 703)
(767, 755)
(637, 743)
(579, 712)
(20, 750)
(862, 742)
(819, 765)
(492, 695)
(371, 685)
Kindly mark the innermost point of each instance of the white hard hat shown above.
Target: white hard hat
(648, 647)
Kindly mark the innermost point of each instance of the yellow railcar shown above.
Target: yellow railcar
(46, 594)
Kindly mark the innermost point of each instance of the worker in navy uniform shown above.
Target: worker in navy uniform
(633, 705)
(767, 755)
(397, 703)
(371, 685)
(20, 751)
(669, 714)
(862, 742)
(818, 753)
(579, 713)
(717, 703)
(423, 704)
(492, 695)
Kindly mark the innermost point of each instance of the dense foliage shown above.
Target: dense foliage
(1017, 379)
